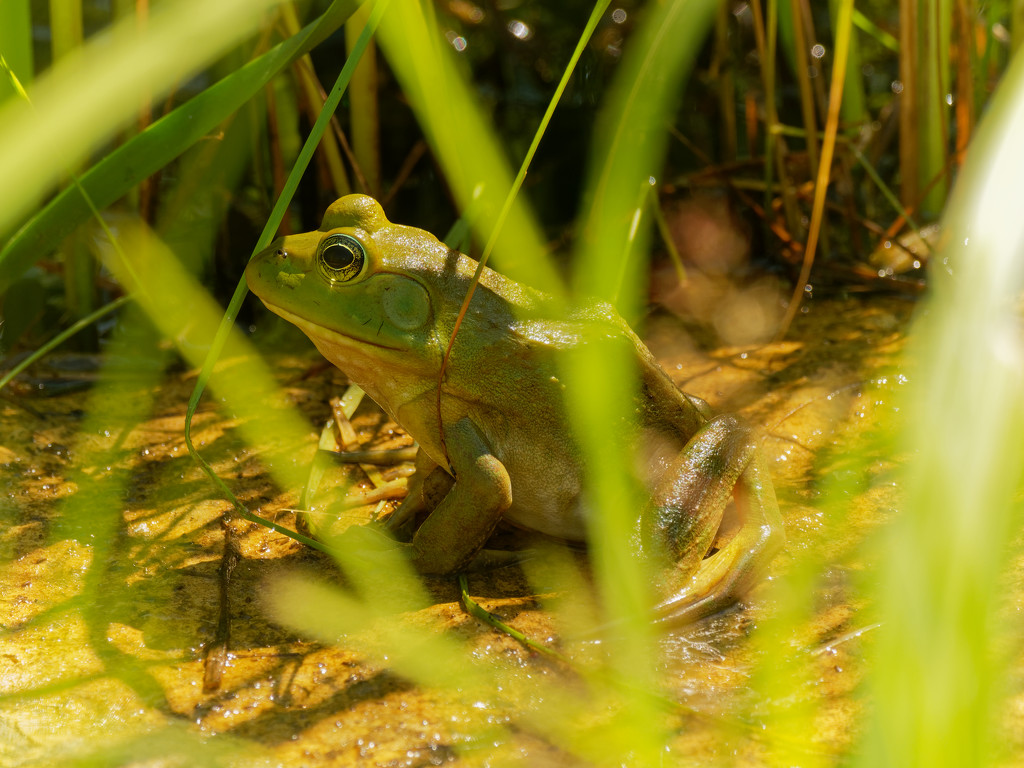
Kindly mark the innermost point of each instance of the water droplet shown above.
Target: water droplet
(619, 15)
(458, 41)
(818, 50)
(520, 30)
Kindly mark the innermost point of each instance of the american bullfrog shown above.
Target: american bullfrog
(379, 300)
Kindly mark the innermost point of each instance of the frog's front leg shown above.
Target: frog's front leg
(454, 534)
(427, 488)
(722, 462)
(464, 510)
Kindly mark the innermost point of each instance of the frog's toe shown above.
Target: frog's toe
(710, 591)
(724, 578)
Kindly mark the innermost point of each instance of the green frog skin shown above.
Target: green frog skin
(379, 300)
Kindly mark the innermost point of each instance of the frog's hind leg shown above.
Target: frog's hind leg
(700, 588)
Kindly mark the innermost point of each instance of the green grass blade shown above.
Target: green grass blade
(843, 35)
(269, 230)
(61, 337)
(1016, 25)
(185, 313)
(801, 74)
(855, 108)
(595, 16)
(476, 166)
(869, 27)
(631, 142)
(884, 188)
(121, 68)
(364, 119)
(66, 32)
(15, 44)
(159, 144)
(66, 37)
(950, 629)
(627, 156)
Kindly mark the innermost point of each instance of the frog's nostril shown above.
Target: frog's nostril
(280, 253)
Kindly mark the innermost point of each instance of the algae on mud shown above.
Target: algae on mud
(130, 663)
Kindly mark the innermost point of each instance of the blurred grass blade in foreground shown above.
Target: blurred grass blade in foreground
(186, 314)
(475, 164)
(939, 672)
(146, 153)
(122, 68)
(609, 260)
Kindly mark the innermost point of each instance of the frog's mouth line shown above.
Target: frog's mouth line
(312, 329)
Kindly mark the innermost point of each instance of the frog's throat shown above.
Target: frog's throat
(315, 331)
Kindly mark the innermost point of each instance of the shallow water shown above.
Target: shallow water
(107, 599)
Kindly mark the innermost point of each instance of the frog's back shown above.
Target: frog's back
(518, 401)
(512, 387)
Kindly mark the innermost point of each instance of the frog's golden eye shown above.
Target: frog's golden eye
(340, 258)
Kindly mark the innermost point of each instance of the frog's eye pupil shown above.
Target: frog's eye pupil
(338, 256)
(341, 258)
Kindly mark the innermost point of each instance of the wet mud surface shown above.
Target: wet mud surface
(109, 598)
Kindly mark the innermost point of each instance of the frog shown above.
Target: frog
(495, 439)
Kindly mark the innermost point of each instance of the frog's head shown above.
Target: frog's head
(360, 287)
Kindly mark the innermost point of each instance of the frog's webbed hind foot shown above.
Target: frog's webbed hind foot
(726, 576)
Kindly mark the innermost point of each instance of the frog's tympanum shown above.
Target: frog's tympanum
(379, 300)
